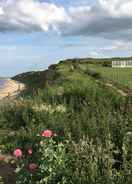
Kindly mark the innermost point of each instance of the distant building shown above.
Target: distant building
(122, 64)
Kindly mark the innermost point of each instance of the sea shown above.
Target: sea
(2, 82)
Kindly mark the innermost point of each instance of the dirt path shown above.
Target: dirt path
(111, 85)
(119, 91)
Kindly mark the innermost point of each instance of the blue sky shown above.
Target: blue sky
(34, 46)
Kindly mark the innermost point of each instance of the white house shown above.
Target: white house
(122, 64)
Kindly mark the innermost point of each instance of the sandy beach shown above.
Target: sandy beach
(11, 88)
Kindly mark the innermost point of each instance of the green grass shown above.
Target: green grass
(121, 76)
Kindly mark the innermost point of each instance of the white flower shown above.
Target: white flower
(49, 109)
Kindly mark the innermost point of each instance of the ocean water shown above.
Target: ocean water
(2, 83)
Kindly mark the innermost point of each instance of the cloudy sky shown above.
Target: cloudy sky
(36, 33)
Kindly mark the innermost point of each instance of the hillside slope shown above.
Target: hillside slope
(95, 68)
(90, 123)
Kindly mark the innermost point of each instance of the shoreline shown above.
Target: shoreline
(11, 88)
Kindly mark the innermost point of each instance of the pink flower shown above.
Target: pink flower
(47, 133)
(30, 151)
(17, 153)
(32, 167)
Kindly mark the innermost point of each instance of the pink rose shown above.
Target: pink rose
(30, 151)
(32, 167)
(47, 133)
(17, 153)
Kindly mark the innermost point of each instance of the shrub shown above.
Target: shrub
(93, 74)
(47, 164)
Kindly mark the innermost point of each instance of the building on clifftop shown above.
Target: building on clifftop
(122, 64)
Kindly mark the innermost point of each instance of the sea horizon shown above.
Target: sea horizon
(2, 82)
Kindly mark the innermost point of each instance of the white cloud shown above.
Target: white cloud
(30, 15)
(117, 8)
(118, 46)
(111, 19)
(94, 54)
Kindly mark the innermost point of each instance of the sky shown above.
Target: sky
(37, 33)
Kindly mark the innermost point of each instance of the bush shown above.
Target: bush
(93, 74)
(48, 163)
(55, 160)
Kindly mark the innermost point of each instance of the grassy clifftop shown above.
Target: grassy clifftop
(95, 68)
(88, 106)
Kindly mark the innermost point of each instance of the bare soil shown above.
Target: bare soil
(7, 173)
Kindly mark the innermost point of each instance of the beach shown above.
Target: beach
(11, 88)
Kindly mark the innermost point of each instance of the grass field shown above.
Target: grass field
(120, 76)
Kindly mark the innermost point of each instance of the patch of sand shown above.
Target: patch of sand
(11, 88)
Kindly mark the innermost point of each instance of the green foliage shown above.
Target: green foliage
(93, 73)
(95, 122)
(1, 180)
(51, 160)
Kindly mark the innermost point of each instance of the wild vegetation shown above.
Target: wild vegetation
(68, 127)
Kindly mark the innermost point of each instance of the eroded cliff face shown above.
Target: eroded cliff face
(34, 80)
